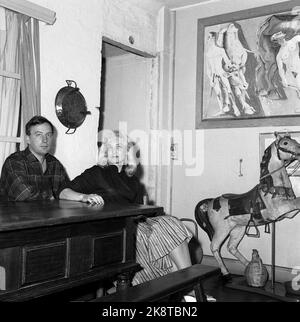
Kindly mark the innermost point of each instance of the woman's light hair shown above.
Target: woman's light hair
(116, 137)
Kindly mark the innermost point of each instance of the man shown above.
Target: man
(33, 174)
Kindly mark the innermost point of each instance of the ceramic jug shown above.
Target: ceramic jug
(256, 272)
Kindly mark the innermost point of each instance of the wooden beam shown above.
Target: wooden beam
(30, 9)
(9, 74)
(10, 139)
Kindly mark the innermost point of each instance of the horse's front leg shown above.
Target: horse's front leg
(236, 235)
(233, 105)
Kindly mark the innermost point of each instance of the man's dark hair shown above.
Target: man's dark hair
(36, 120)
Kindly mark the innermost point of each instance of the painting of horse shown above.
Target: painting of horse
(226, 59)
(238, 56)
(248, 68)
(272, 199)
(218, 71)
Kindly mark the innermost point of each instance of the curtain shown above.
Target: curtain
(19, 53)
(30, 68)
(9, 87)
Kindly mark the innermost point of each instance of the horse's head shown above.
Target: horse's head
(211, 38)
(232, 29)
(287, 148)
(237, 78)
(273, 174)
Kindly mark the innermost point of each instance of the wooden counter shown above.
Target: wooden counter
(50, 246)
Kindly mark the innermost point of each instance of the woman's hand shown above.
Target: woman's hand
(93, 199)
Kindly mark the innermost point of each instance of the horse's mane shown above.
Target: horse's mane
(264, 167)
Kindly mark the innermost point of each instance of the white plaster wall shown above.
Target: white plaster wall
(220, 149)
(71, 49)
(122, 20)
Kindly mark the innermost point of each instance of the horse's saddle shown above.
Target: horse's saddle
(246, 203)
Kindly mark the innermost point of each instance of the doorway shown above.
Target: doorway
(128, 84)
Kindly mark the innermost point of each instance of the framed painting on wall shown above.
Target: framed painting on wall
(248, 68)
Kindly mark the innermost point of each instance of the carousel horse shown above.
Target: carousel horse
(271, 200)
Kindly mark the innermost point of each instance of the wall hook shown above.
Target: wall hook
(240, 174)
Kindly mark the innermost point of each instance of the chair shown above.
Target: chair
(195, 248)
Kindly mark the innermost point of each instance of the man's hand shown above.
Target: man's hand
(93, 199)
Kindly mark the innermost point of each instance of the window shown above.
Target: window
(19, 70)
(10, 83)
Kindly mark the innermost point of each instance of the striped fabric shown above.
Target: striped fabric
(156, 237)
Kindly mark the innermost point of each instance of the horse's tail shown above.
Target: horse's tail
(202, 219)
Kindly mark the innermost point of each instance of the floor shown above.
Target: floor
(214, 287)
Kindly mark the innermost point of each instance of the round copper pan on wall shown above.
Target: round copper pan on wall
(70, 106)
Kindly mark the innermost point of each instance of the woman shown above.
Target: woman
(162, 241)
(287, 59)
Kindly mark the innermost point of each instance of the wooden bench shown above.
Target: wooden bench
(162, 287)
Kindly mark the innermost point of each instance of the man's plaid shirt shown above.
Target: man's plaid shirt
(22, 177)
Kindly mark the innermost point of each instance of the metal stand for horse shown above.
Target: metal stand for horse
(273, 257)
(272, 289)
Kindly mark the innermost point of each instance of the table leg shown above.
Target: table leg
(199, 292)
(123, 281)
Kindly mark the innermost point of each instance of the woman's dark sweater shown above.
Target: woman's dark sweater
(111, 185)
